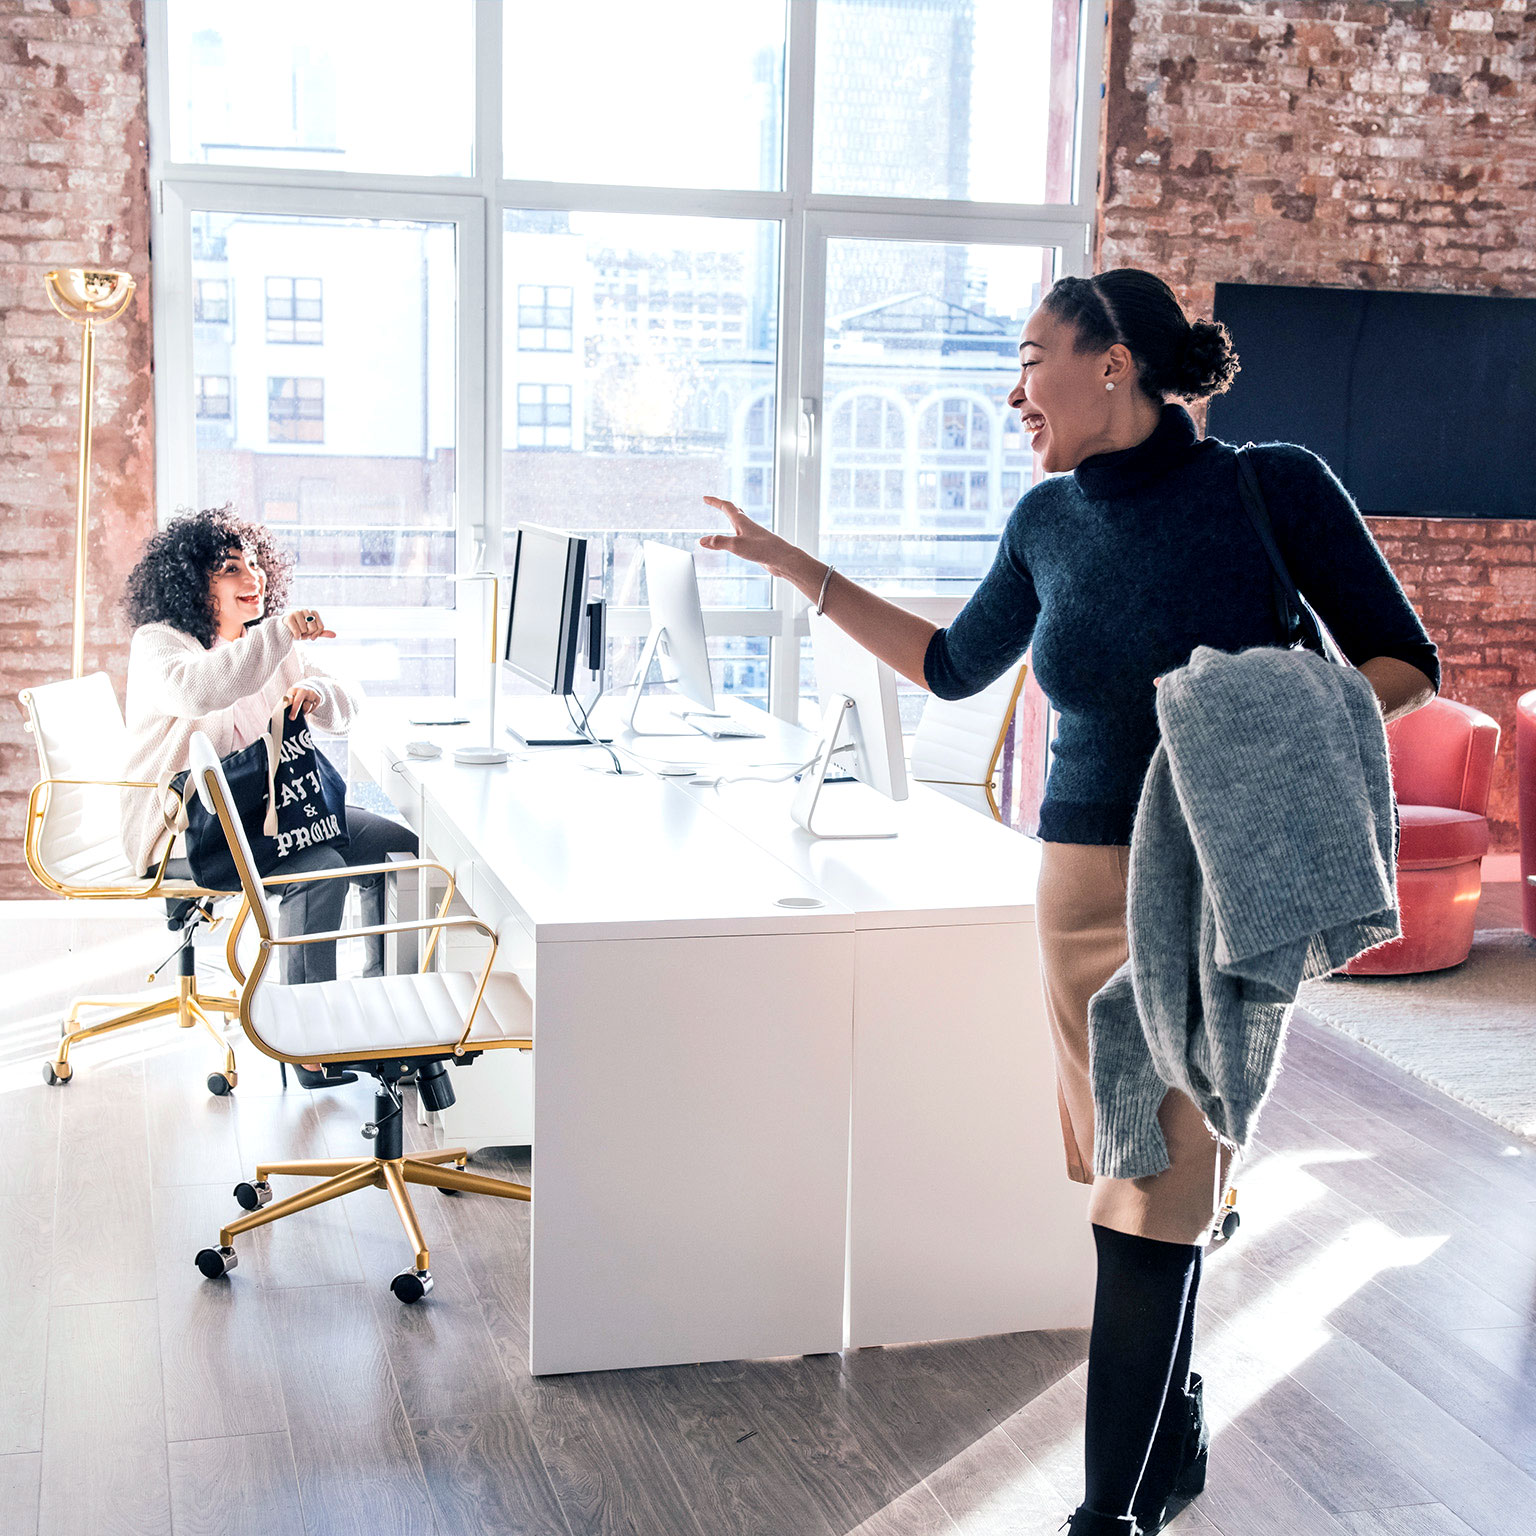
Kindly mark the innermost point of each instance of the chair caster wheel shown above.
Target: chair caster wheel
(55, 1076)
(220, 1083)
(213, 1262)
(1230, 1223)
(251, 1197)
(411, 1284)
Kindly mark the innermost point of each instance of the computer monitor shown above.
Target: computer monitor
(543, 634)
(549, 580)
(858, 696)
(677, 628)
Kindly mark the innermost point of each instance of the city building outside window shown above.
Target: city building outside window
(212, 397)
(210, 303)
(543, 416)
(296, 410)
(543, 318)
(294, 310)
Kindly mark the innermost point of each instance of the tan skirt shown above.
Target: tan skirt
(1080, 918)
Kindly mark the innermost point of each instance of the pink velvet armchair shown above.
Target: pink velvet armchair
(1442, 771)
(1525, 775)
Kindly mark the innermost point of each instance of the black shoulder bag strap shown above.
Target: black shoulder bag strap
(1298, 624)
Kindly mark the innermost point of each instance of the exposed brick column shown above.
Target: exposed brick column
(1347, 144)
(74, 173)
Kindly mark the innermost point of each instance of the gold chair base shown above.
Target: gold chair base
(343, 1175)
(187, 1006)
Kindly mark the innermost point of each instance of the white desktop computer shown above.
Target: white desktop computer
(677, 631)
(858, 699)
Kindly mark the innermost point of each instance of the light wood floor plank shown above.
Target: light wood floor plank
(358, 1471)
(220, 1367)
(1473, 1480)
(26, 1219)
(103, 1246)
(20, 1483)
(486, 1477)
(104, 1454)
(241, 1486)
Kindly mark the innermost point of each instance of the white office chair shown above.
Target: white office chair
(382, 1025)
(958, 742)
(73, 847)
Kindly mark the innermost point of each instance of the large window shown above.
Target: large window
(584, 264)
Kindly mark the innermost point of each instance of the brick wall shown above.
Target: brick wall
(1380, 145)
(73, 191)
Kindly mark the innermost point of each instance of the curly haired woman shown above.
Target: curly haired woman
(205, 657)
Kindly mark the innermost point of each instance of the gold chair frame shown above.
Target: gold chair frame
(187, 1005)
(341, 1176)
(997, 752)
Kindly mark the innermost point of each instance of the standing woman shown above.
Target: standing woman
(1113, 571)
(206, 657)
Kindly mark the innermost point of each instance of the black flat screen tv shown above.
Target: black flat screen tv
(1423, 404)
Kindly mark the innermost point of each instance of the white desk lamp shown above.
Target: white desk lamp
(490, 754)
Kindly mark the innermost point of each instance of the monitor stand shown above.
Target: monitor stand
(542, 720)
(803, 808)
(649, 655)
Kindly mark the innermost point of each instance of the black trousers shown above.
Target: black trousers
(316, 906)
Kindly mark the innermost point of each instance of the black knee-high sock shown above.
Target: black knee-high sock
(1138, 1316)
(1181, 1356)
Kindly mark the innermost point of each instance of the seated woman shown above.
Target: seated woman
(205, 657)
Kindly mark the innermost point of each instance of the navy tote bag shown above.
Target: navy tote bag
(288, 796)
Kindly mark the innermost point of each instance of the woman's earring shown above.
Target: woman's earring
(1110, 384)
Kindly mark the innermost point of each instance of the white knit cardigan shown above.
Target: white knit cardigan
(175, 687)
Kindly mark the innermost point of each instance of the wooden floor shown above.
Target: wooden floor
(1367, 1337)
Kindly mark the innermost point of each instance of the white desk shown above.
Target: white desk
(701, 1188)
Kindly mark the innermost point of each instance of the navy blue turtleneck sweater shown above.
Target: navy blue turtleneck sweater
(1115, 573)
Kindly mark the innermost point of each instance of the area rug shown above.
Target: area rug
(1470, 1031)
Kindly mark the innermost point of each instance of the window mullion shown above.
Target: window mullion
(794, 478)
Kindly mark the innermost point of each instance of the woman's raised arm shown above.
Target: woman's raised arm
(898, 638)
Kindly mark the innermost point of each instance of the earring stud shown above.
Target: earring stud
(1110, 384)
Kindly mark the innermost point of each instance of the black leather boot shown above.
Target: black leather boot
(1089, 1522)
(1177, 1461)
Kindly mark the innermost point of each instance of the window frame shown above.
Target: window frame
(475, 204)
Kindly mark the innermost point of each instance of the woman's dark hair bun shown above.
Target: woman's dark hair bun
(1141, 312)
(1207, 362)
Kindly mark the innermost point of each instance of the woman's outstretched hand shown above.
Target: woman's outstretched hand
(750, 540)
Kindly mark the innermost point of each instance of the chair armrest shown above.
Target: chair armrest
(47, 879)
(348, 871)
(358, 933)
(439, 924)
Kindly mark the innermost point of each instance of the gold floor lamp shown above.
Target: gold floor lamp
(90, 296)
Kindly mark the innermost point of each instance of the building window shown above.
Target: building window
(543, 318)
(211, 302)
(293, 310)
(543, 415)
(376, 547)
(212, 397)
(295, 410)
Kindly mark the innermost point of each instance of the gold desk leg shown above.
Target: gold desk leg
(361, 1176)
(470, 1183)
(395, 1184)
